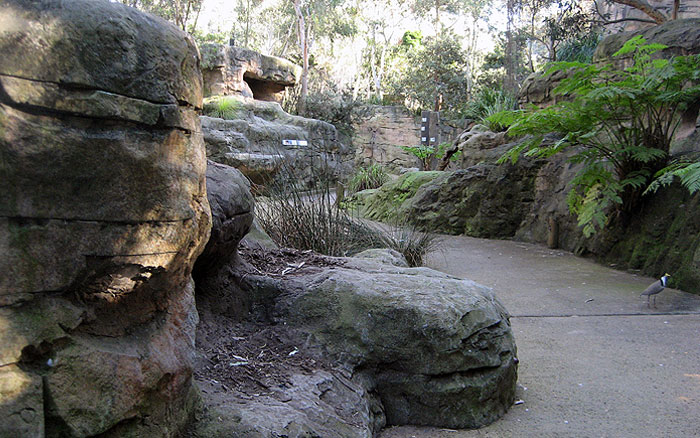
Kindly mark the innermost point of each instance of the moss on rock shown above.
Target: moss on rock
(387, 202)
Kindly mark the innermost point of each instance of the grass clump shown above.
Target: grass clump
(224, 107)
(368, 177)
(308, 218)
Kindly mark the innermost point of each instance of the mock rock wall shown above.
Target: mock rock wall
(103, 210)
(379, 138)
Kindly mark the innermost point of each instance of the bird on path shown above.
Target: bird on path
(655, 288)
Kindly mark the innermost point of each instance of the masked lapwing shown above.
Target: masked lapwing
(655, 288)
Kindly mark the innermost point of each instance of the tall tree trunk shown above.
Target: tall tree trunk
(510, 60)
(676, 7)
(304, 47)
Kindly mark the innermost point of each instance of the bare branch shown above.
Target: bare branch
(645, 7)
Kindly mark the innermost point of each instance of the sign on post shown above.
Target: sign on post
(430, 128)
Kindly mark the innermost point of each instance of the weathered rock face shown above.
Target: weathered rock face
(253, 142)
(484, 200)
(102, 212)
(537, 89)
(231, 70)
(437, 350)
(232, 208)
(232, 205)
(681, 36)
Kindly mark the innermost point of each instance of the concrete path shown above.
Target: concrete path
(594, 360)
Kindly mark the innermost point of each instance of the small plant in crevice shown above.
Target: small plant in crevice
(223, 107)
(368, 177)
(429, 155)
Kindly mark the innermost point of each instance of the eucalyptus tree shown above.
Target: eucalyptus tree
(318, 18)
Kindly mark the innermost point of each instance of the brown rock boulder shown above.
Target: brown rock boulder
(103, 210)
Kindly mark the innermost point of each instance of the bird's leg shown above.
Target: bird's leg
(654, 301)
(648, 301)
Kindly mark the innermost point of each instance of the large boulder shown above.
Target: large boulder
(232, 209)
(104, 210)
(437, 350)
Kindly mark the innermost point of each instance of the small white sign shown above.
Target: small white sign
(423, 139)
(424, 119)
(422, 128)
(432, 139)
(295, 142)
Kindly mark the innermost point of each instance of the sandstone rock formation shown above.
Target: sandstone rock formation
(102, 212)
(387, 202)
(253, 142)
(366, 345)
(339, 347)
(436, 350)
(229, 70)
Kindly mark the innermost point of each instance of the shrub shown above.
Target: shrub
(368, 177)
(428, 154)
(410, 241)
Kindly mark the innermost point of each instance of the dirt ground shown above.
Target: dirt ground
(254, 358)
(594, 360)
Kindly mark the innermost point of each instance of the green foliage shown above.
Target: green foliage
(434, 72)
(412, 38)
(427, 154)
(222, 107)
(579, 49)
(621, 122)
(687, 171)
(368, 177)
(487, 102)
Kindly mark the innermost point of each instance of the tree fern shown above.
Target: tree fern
(621, 122)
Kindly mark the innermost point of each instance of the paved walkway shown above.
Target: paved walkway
(594, 360)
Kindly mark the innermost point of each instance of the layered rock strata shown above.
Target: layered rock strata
(103, 210)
